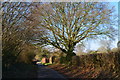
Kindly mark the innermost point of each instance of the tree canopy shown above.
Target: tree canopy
(17, 30)
(69, 23)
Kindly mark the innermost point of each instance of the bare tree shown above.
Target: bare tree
(70, 23)
(16, 31)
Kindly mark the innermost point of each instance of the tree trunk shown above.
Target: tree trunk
(69, 56)
(69, 52)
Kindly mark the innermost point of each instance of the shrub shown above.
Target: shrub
(109, 63)
(62, 59)
(76, 60)
(26, 57)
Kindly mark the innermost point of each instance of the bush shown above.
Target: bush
(102, 65)
(57, 60)
(62, 59)
(76, 60)
(26, 57)
(9, 56)
(108, 63)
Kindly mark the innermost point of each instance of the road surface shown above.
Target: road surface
(48, 73)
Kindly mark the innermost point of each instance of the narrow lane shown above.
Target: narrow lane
(45, 72)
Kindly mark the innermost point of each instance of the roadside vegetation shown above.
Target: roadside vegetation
(17, 50)
(20, 71)
(96, 66)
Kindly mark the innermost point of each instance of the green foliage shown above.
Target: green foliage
(46, 64)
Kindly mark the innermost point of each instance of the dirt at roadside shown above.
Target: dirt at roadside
(82, 72)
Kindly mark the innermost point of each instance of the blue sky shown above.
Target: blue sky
(93, 44)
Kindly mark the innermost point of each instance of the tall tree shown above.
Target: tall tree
(17, 29)
(70, 23)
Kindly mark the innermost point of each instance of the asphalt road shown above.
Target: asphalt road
(48, 73)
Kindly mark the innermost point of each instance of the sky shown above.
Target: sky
(94, 44)
(61, 0)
